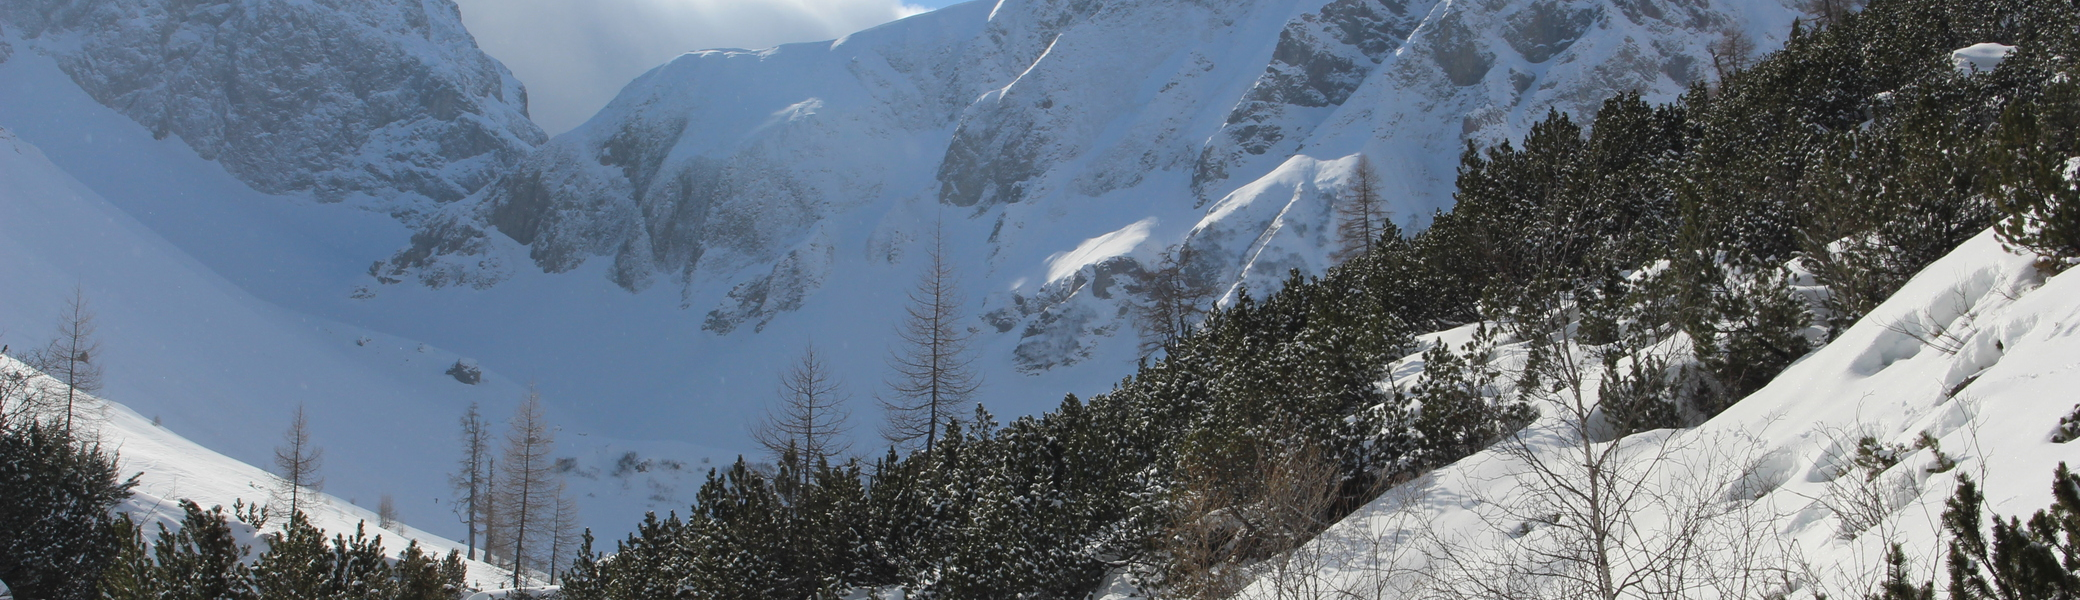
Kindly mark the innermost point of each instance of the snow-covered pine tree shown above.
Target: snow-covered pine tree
(361, 568)
(420, 576)
(202, 560)
(2039, 162)
(131, 576)
(56, 533)
(297, 565)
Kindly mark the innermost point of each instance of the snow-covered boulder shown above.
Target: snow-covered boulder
(1980, 58)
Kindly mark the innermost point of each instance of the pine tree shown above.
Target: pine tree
(56, 533)
(202, 560)
(934, 369)
(586, 579)
(422, 577)
(2039, 186)
(296, 464)
(297, 564)
(361, 568)
(131, 576)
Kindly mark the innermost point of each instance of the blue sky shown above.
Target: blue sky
(574, 55)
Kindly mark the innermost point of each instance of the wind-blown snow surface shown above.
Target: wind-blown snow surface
(1783, 454)
(221, 367)
(169, 469)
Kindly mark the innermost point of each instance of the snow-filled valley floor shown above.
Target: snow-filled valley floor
(1980, 352)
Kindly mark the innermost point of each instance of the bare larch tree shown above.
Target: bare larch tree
(564, 538)
(934, 373)
(1172, 298)
(71, 355)
(1361, 214)
(296, 462)
(471, 478)
(386, 512)
(810, 417)
(528, 487)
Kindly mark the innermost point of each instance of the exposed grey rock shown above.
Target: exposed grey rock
(1321, 58)
(1547, 29)
(467, 372)
(1459, 53)
(384, 103)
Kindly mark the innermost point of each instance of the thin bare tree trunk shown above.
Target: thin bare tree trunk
(529, 484)
(297, 461)
(1361, 215)
(472, 479)
(934, 370)
(810, 419)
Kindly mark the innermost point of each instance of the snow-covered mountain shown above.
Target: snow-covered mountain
(383, 104)
(743, 179)
(238, 166)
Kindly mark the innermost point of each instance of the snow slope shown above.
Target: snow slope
(219, 366)
(1781, 459)
(171, 469)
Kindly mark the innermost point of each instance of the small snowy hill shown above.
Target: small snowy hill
(1979, 352)
(171, 468)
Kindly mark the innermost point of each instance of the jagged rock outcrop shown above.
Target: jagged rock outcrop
(387, 104)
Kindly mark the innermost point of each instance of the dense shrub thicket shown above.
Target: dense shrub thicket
(1858, 152)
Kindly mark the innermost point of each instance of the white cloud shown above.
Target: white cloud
(574, 55)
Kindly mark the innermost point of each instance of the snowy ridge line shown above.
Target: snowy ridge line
(1781, 464)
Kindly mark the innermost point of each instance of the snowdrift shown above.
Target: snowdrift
(1980, 352)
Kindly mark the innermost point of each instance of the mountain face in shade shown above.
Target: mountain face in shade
(382, 103)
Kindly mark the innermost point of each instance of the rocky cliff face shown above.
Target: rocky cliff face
(1042, 127)
(382, 103)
